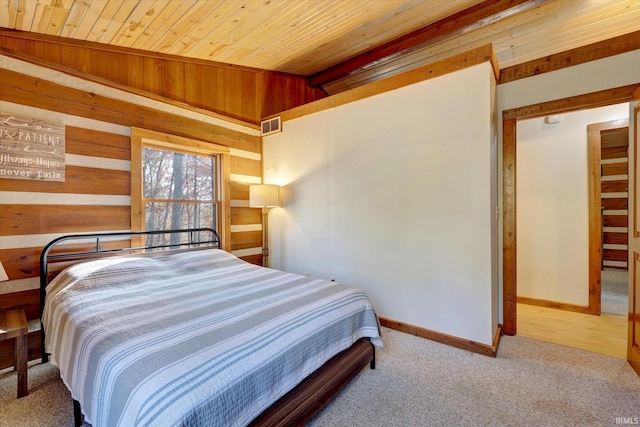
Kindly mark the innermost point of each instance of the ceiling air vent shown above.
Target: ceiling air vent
(271, 126)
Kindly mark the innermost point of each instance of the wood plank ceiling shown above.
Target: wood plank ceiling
(338, 44)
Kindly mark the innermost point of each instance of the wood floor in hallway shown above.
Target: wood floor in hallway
(606, 334)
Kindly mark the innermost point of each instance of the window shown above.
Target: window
(179, 191)
(178, 183)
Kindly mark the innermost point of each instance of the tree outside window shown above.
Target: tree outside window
(179, 192)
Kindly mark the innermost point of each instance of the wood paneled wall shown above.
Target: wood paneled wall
(90, 199)
(82, 203)
(96, 193)
(239, 92)
(614, 191)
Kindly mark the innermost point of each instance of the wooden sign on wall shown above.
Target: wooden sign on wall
(31, 149)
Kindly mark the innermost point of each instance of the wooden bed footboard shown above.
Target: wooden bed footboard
(301, 404)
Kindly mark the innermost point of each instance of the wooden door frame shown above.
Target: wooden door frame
(509, 120)
(633, 347)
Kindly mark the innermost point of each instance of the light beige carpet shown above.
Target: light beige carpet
(422, 383)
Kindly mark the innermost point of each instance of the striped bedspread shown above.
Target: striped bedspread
(193, 339)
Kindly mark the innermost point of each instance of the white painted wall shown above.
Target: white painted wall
(393, 194)
(607, 73)
(552, 200)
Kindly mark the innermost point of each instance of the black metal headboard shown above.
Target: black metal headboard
(191, 238)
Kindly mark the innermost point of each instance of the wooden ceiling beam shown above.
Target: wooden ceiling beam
(472, 18)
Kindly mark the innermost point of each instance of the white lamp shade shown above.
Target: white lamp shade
(264, 196)
(3, 274)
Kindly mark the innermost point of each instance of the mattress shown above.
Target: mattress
(198, 338)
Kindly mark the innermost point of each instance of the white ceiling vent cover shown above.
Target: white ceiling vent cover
(271, 126)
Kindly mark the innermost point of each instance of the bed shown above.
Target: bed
(186, 334)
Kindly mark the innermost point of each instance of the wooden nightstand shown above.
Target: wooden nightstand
(13, 325)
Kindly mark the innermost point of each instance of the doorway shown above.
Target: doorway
(555, 163)
(609, 209)
(510, 118)
(556, 167)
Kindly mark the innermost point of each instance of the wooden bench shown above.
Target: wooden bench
(13, 325)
